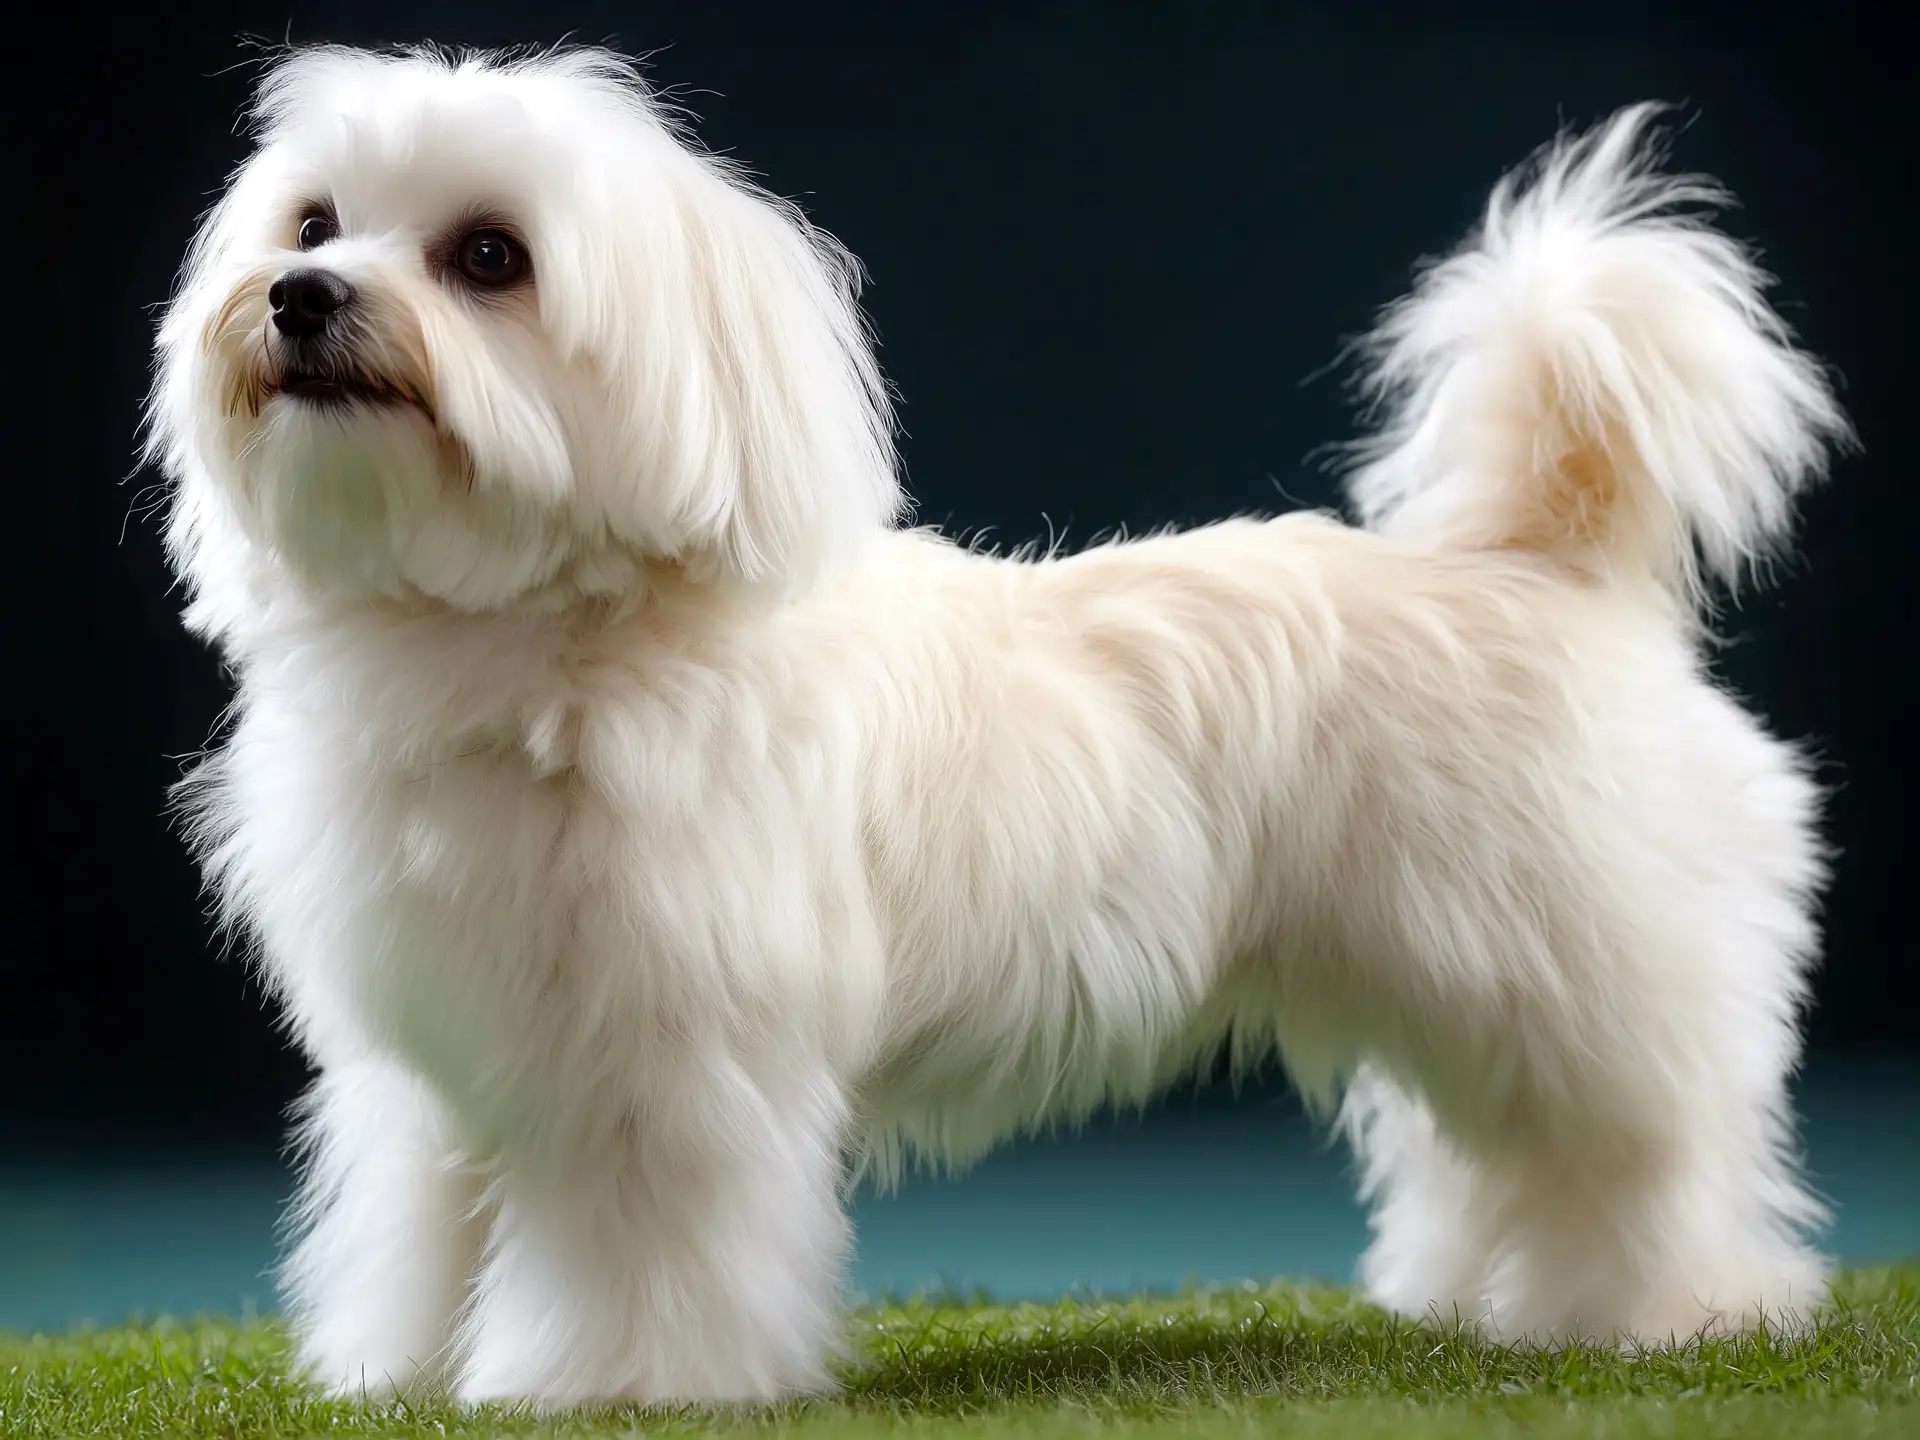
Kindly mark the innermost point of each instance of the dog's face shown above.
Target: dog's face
(490, 333)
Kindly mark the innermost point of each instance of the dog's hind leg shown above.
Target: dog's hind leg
(1434, 1246)
(1587, 1125)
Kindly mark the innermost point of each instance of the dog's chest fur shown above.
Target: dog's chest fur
(529, 877)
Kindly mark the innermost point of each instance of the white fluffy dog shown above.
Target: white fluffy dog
(641, 829)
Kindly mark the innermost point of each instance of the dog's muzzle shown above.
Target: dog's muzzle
(319, 342)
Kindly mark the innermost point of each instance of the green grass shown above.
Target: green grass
(1280, 1361)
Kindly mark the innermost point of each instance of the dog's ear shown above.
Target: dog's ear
(796, 411)
(756, 432)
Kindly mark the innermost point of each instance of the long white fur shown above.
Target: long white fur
(639, 830)
(1532, 342)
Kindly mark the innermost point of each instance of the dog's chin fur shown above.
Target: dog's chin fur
(639, 829)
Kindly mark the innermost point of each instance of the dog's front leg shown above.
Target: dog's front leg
(390, 1237)
(692, 1253)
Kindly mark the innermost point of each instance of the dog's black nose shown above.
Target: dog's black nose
(303, 300)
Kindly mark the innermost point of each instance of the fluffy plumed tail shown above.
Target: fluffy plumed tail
(1596, 377)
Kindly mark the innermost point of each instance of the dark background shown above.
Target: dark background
(1111, 257)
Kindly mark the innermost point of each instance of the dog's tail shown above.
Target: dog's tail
(1596, 377)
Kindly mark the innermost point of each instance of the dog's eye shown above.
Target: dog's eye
(491, 258)
(316, 230)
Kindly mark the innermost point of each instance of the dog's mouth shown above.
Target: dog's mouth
(340, 389)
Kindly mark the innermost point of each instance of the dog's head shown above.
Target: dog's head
(491, 332)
